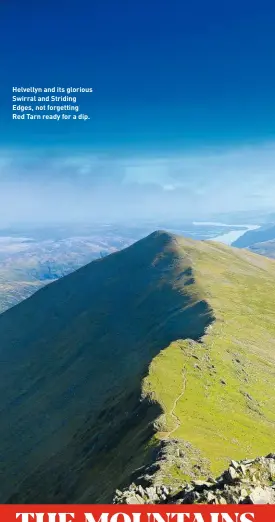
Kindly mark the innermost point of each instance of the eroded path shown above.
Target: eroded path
(172, 412)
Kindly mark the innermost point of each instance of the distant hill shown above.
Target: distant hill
(15, 288)
(167, 341)
(261, 241)
(31, 257)
(266, 248)
(27, 265)
(259, 235)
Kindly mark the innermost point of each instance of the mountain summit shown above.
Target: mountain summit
(164, 349)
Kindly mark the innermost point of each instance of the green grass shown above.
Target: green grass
(235, 419)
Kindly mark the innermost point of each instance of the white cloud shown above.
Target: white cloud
(169, 187)
(80, 185)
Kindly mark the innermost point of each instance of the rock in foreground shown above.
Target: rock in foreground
(244, 482)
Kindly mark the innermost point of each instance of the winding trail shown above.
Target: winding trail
(172, 412)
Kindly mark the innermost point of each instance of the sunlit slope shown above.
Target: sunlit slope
(219, 394)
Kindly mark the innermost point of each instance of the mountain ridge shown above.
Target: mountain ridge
(53, 355)
(168, 340)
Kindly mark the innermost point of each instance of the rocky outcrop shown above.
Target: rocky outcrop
(244, 482)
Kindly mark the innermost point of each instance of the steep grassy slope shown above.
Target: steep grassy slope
(168, 340)
(73, 359)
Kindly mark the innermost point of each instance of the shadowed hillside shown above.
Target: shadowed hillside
(74, 419)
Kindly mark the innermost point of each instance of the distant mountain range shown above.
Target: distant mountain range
(266, 248)
(261, 241)
(168, 343)
(32, 257)
(251, 237)
(28, 264)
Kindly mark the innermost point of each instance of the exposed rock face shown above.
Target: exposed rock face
(244, 482)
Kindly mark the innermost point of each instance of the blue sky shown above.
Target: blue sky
(172, 81)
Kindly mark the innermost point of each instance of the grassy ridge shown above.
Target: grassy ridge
(227, 409)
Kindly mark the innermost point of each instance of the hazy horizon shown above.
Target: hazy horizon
(56, 186)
